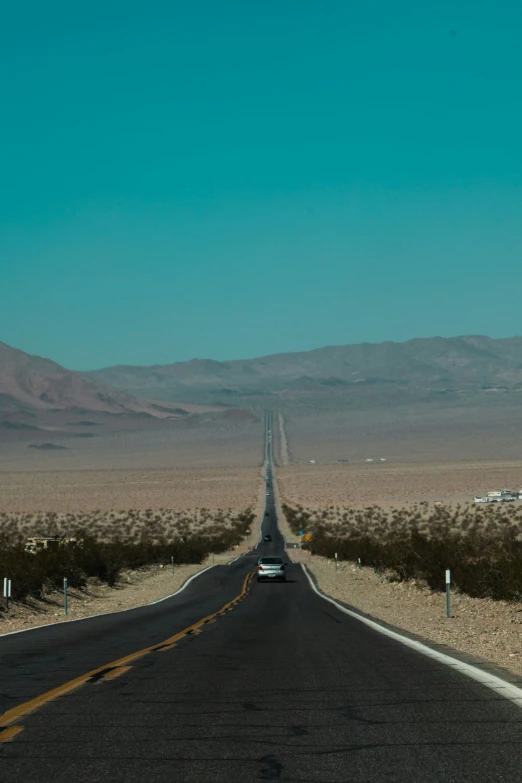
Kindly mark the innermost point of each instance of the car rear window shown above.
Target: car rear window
(270, 560)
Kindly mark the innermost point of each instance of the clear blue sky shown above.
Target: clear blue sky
(230, 179)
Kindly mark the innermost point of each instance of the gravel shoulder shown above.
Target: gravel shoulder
(135, 588)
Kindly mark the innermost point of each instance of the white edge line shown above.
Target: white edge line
(104, 614)
(497, 684)
(185, 584)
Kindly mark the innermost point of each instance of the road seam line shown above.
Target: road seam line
(117, 672)
(491, 681)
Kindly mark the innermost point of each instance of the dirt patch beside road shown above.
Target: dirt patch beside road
(134, 589)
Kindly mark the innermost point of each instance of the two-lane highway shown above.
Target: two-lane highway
(280, 686)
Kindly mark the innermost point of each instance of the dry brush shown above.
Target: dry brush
(482, 547)
(105, 542)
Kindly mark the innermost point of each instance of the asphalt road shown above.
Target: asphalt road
(282, 686)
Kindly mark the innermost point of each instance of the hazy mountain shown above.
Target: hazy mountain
(39, 399)
(384, 372)
(30, 383)
(418, 367)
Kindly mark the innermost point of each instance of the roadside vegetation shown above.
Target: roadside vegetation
(482, 547)
(105, 543)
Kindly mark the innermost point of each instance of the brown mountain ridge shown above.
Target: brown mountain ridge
(418, 367)
(39, 399)
(32, 383)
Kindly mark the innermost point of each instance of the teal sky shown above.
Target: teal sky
(226, 180)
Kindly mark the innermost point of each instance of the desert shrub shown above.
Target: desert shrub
(482, 547)
(108, 542)
(25, 573)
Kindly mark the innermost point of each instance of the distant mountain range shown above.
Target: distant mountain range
(385, 373)
(418, 367)
(29, 383)
(41, 399)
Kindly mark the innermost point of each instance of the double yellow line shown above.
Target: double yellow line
(107, 672)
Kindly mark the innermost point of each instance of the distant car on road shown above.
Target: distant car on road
(267, 537)
(271, 568)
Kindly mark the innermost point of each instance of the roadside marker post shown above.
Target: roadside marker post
(213, 558)
(336, 561)
(7, 591)
(65, 607)
(448, 593)
(359, 562)
(172, 563)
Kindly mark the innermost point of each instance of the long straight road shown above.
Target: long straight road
(280, 686)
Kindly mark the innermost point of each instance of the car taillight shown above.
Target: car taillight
(260, 568)
(281, 568)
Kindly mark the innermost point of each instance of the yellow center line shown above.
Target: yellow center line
(121, 663)
(7, 734)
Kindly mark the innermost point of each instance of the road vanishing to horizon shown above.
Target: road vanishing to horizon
(235, 680)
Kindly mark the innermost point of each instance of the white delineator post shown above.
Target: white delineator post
(448, 593)
(7, 591)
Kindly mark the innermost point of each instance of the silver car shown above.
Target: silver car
(271, 568)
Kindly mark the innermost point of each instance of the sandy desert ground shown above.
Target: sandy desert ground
(212, 488)
(414, 433)
(202, 445)
(385, 484)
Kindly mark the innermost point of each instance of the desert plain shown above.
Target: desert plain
(389, 485)
(90, 490)
(218, 466)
